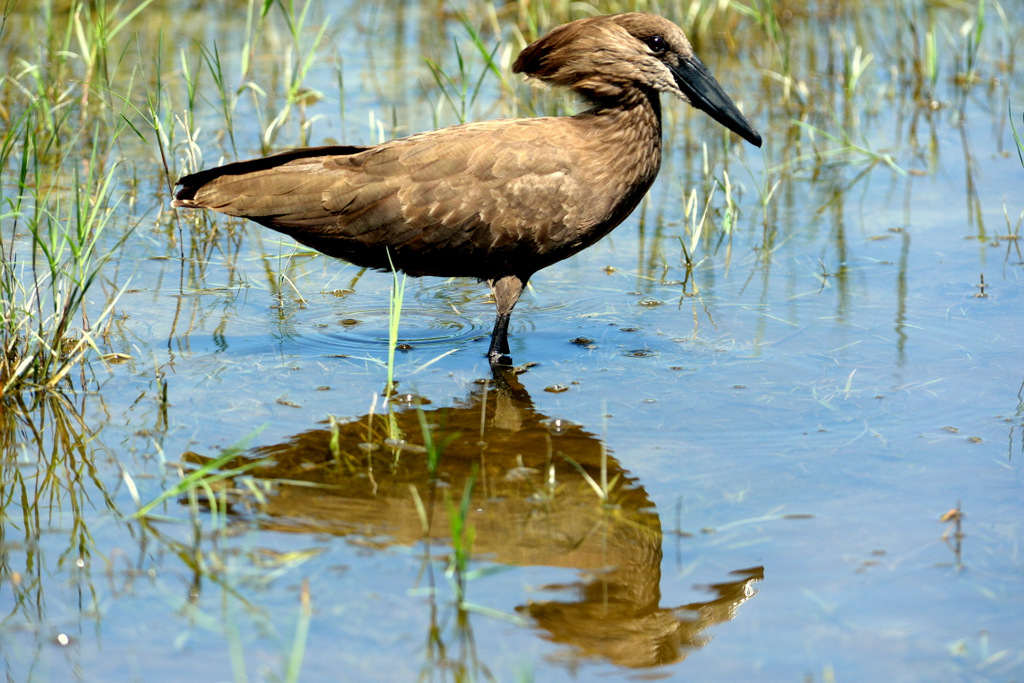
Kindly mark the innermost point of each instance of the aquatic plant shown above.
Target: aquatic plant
(53, 247)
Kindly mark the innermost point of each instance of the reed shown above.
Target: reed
(52, 250)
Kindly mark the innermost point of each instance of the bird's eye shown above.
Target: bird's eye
(657, 44)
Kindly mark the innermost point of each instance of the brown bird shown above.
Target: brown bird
(494, 200)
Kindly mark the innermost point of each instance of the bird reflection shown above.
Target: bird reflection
(534, 502)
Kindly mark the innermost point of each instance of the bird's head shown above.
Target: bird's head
(612, 57)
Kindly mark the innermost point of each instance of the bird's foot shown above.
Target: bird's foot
(498, 359)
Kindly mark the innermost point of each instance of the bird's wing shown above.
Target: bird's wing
(473, 187)
(471, 200)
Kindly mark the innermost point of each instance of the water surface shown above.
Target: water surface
(781, 425)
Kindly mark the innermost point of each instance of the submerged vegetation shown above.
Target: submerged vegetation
(132, 337)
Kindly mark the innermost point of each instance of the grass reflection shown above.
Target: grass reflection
(51, 492)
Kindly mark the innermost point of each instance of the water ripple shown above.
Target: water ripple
(365, 331)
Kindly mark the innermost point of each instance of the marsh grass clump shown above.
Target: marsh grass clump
(52, 250)
(63, 184)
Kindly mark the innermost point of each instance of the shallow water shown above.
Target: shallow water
(782, 426)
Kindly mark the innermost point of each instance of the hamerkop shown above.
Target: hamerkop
(493, 200)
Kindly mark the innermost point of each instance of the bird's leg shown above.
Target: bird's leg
(506, 291)
(499, 336)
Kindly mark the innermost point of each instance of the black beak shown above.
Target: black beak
(704, 93)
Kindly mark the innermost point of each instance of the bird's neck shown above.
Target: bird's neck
(633, 108)
(633, 119)
(617, 147)
(626, 132)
